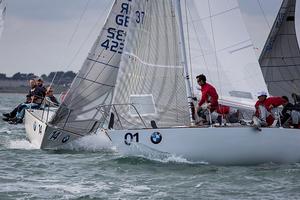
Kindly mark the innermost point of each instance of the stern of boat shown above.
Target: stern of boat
(43, 135)
(35, 127)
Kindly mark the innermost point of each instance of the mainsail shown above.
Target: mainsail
(151, 76)
(280, 58)
(221, 48)
(94, 84)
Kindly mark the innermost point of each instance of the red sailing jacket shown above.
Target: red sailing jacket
(270, 119)
(209, 94)
(275, 101)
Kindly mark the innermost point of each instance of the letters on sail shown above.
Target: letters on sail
(95, 82)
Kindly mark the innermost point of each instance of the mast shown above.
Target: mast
(184, 61)
(2, 15)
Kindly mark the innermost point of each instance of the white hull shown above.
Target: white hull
(44, 136)
(225, 146)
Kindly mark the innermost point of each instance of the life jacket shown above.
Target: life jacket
(223, 110)
(209, 95)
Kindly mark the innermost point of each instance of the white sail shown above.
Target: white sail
(280, 58)
(2, 15)
(221, 49)
(151, 74)
(94, 84)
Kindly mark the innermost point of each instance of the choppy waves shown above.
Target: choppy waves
(91, 168)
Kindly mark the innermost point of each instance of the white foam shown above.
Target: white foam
(140, 150)
(199, 185)
(21, 144)
(4, 129)
(176, 159)
(93, 142)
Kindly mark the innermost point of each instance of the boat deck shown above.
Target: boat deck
(43, 115)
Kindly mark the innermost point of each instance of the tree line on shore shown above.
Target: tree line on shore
(59, 77)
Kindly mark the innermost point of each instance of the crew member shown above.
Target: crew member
(208, 101)
(209, 94)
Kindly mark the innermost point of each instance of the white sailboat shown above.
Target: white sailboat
(227, 57)
(280, 58)
(135, 83)
(79, 115)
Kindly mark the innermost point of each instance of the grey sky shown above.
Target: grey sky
(37, 33)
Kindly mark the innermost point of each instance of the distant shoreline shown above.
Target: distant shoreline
(22, 87)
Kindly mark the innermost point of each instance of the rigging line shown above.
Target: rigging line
(215, 15)
(78, 23)
(88, 36)
(214, 41)
(199, 43)
(72, 36)
(189, 47)
(86, 79)
(232, 46)
(92, 66)
(264, 14)
(87, 73)
(98, 56)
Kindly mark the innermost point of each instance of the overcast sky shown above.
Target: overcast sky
(39, 34)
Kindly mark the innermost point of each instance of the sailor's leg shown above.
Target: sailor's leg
(295, 117)
(276, 115)
(14, 111)
(214, 117)
(263, 113)
(21, 111)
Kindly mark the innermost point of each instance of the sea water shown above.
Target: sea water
(92, 169)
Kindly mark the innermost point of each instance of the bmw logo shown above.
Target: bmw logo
(65, 139)
(156, 138)
(34, 126)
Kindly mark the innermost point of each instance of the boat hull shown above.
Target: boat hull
(44, 136)
(225, 146)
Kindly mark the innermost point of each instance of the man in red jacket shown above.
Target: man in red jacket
(209, 94)
(209, 99)
(266, 108)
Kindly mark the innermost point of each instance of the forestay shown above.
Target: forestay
(2, 15)
(222, 50)
(280, 58)
(94, 84)
(151, 74)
